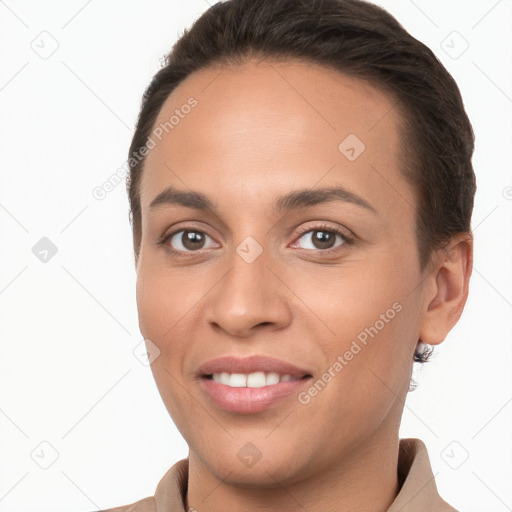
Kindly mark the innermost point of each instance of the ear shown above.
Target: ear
(447, 288)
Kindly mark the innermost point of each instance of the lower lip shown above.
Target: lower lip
(250, 400)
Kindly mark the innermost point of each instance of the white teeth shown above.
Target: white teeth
(274, 378)
(256, 380)
(251, 380)
(238, 380)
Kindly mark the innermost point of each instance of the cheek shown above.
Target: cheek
(162, 308)
(357, 295)
(373, 321)
(164, 298)
(169, 304)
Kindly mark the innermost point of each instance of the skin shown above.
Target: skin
(259, 131)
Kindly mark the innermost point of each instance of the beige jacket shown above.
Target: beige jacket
(417, 494)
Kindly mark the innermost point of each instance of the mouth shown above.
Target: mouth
(252, 384)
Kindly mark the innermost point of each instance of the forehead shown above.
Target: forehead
(256, 125)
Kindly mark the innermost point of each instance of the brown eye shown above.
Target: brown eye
(322, 239)
(187, 240)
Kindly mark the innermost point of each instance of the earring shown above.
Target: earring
(422, 352)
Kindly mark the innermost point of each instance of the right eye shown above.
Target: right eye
(185, 241)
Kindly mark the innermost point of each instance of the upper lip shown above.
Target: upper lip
(257, 363)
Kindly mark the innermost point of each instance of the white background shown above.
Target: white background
(69, 326)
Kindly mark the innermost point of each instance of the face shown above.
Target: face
(271, 264)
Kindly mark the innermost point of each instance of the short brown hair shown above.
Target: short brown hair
(357, 39)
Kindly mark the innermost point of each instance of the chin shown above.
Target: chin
(256, 466)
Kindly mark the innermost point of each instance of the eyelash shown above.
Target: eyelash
(347, 240)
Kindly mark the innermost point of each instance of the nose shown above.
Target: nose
(251, 296)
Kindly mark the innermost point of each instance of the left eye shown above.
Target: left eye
(322, 239)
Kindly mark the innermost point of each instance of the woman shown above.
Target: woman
(301, 191)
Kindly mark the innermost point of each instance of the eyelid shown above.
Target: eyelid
(190, 226)
(320, 225)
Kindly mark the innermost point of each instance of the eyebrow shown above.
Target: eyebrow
(292, 201)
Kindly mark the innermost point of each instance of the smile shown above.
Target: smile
(251, 380)
(252, 384)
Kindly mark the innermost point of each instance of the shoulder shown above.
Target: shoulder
(144, 505)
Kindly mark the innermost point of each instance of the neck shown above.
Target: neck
(363, 480)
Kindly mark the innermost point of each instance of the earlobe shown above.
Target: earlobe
(448, 290)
